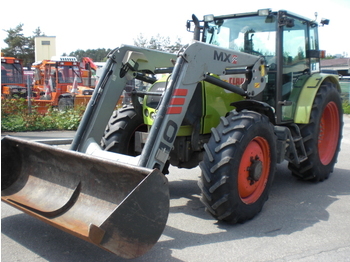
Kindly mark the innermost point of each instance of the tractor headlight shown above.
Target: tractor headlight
(208, 18)
(153, 115)
(264, 12)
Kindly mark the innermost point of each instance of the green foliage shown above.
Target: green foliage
(98, 55)
(16, 118)
(346, 107)
(159, 43)
(20, 46)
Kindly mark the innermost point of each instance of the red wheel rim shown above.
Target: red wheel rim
(250, 191)
(329, 133)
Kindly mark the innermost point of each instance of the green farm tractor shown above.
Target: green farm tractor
(247, 94)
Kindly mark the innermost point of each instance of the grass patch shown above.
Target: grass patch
(16, 118)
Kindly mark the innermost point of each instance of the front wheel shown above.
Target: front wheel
(119, 136)
(238, 167)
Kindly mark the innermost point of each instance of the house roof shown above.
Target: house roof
(335, 62)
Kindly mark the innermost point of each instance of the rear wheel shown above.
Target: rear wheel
(322, 136)
(238, 167)
(119, 136)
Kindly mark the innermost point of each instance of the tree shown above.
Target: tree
(141, 41)
(159, 43)
(20, 46)
(97, 55)
(16, 42)
(37, 32)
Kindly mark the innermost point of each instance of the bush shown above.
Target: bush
(346, 107)
(16, 118)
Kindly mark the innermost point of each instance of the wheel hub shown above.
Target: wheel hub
(255, 170)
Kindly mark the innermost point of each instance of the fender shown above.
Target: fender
(309, 90)
(257, 106)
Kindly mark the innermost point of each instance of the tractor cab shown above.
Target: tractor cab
(58, 82)
(56, 74)
(288, 43)
(12, 77)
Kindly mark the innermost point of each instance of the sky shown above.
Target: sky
(109, 24)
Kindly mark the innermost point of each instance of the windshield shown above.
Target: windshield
(67, 74)
(254, 34)
(11, 73)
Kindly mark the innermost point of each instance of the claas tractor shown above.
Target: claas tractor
(245, 95)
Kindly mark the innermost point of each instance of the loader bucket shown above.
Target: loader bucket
(118, 207)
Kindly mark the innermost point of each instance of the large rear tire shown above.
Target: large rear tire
(119, 136)
(322, 136)
(238, 167)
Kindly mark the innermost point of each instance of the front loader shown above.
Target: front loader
(245, 95)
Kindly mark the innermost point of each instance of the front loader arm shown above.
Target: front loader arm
(110, 88)
(192, 66)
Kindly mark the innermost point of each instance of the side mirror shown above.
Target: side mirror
(289, 22)
(286, 21)
(324, 21)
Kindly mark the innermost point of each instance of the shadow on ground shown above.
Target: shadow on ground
(293, 206)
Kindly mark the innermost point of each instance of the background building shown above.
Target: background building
(341, 65)
(45, 47)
